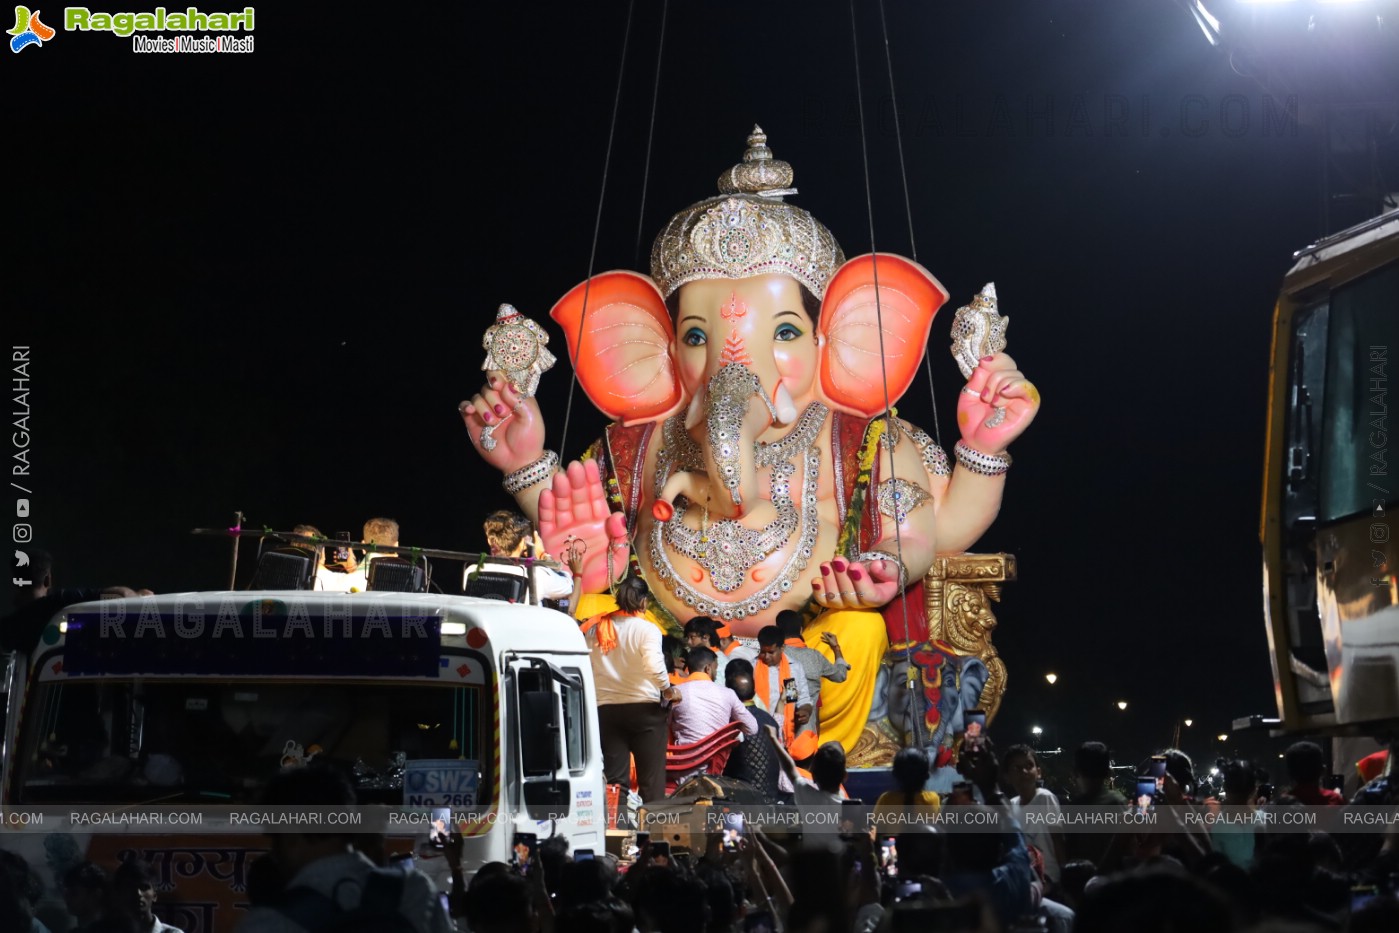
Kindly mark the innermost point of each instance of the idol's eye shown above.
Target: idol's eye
(787, 332)
(694, 337)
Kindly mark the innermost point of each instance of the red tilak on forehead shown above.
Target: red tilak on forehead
(734, 309)
(734, 351)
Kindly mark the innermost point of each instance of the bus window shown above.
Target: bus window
(1363, 345)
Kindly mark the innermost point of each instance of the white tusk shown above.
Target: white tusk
(695, 413)
(782, 402)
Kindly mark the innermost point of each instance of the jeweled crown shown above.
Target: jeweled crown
(747, 230)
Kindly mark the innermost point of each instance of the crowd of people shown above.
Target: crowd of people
(93, 900)
(1265, 879)
(656, 693)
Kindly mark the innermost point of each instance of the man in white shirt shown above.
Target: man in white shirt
(699, 633)
(630, 677)
(355, 577)
(730, 647)
(510, 534)
(1020, 771)
(133, 894)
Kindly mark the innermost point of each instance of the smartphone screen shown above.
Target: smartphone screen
(1146, 792)
(402, 861)
(342, 554)
(522, 852)
(888, 855)
(441, 826)
(583, 855)
(733, 831)
(1157, 768)
(962, 794)
(853, 817)
(976, 729)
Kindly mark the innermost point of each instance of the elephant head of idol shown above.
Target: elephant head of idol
(751, 313)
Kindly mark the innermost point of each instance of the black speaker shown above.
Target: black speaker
(284, 569)
(508, 587)
(394, 574)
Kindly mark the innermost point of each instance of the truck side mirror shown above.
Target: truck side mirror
(539, 724)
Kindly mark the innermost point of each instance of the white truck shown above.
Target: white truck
(182, 707)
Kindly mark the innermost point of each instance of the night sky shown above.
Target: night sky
(259, 282)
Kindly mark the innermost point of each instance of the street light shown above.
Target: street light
(1036, 730)
(1122, 704)
(1189, 723)
(1051, 678)
(1222, 737)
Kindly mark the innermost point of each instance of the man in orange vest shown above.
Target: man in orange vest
(780, 683)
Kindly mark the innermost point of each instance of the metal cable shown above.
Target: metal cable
(908, 206)
(597, 224)
(890, 425)
(650, 135)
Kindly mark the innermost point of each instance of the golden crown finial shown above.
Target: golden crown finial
(757, 145)
(747, 230)
(759, 173)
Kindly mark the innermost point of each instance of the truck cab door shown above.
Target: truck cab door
(536, 691)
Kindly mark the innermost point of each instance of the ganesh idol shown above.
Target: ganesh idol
(753, 464)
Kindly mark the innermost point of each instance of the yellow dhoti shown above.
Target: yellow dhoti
(845, 707)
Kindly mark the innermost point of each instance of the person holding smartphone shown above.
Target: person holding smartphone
(353, 574)
(510, 534)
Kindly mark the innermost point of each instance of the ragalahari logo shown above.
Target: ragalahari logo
(29, 30)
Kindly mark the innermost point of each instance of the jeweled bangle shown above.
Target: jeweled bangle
(982, 464)
(525, 477)
(867, 556)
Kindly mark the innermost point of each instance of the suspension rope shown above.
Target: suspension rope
(597, 223)
(908, 206)
(650, 135)
(917, 719)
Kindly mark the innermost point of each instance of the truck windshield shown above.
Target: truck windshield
(140, 740)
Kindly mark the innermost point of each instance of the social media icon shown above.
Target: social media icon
(20, 581)
(21, 559)
(21, 508)
(23, 533)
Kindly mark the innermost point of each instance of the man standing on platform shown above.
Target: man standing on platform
(813, 663)
(706, 707)
(780, 683)
(630, 675)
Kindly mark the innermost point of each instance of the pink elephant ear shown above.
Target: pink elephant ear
(908, 297)
(623, 357)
